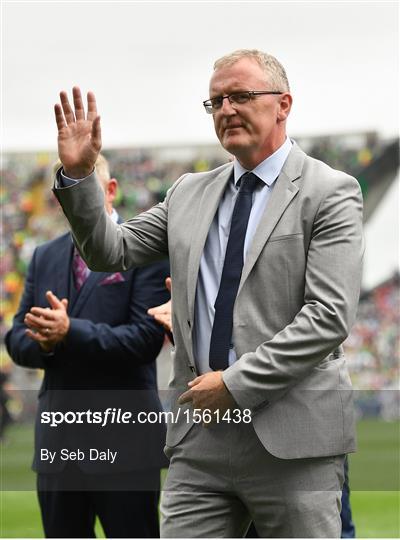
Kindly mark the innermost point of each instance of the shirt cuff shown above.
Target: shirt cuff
(65, 181)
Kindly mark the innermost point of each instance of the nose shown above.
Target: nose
(227, 109)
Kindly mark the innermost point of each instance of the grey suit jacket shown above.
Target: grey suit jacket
(295, 305)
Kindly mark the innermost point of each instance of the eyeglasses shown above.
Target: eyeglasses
(238, 98)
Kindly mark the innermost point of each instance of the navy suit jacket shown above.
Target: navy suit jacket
(106, 361)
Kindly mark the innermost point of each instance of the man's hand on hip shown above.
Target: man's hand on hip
(208, 391)
(48, 326)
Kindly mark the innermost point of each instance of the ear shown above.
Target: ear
(111, 190)
(285, 104)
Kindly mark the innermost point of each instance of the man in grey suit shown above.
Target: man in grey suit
(265, 257)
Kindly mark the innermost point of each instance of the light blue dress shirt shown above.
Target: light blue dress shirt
(212, 260)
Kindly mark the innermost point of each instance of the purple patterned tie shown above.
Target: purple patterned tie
(80, 270)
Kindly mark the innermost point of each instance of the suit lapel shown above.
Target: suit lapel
(83, 295)
(63, 265)
(281, 195)
(206, 212)
(283, 192)
(86, 290)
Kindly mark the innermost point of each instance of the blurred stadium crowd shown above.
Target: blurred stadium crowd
(31, 215)
(373, 351)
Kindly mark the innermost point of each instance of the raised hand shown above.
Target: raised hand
(79, 137)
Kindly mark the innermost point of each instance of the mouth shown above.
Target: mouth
(230, 128)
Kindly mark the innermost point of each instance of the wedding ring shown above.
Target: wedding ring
(47, 331)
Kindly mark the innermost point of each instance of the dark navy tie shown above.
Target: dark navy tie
(221, 333)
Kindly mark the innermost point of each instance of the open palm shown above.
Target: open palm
(79, 136)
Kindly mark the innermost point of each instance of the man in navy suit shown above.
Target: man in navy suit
(90, 333)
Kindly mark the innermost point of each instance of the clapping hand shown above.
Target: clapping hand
(163, 313)
(48, 326)
(79, 136)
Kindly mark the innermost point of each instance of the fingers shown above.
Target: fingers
(66, 116)
(186, 397)
(46, 344)
(197, 380)
(161, 318)
(159, 310)
(59, 117)
(44, 313)
(44, 319)
(39, 318)
(36, 336)
(35, 328)
(66, 107)
(165, 322)
(96, 133)
(54, 302)
(78, 103)
(92, 106)
(64, 113)
(168, 283)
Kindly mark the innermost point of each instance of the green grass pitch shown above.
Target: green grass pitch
(374, 480)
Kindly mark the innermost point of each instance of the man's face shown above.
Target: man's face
(254, 130)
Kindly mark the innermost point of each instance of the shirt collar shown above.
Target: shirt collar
(114, 215)
(269, 169)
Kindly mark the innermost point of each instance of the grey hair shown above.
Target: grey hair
(273, 69)
(102, 169)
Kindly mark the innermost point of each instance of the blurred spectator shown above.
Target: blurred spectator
(373, 351)
(5, 416)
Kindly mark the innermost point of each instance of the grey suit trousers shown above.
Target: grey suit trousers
(221, 478)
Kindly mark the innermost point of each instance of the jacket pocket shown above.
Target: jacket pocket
(293, 236)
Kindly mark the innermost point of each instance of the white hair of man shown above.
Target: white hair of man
(102, 169)
(275, 72)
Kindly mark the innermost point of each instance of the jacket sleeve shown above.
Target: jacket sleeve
(21, 348)
(139, 340)
(105, 245)
(331, 293)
